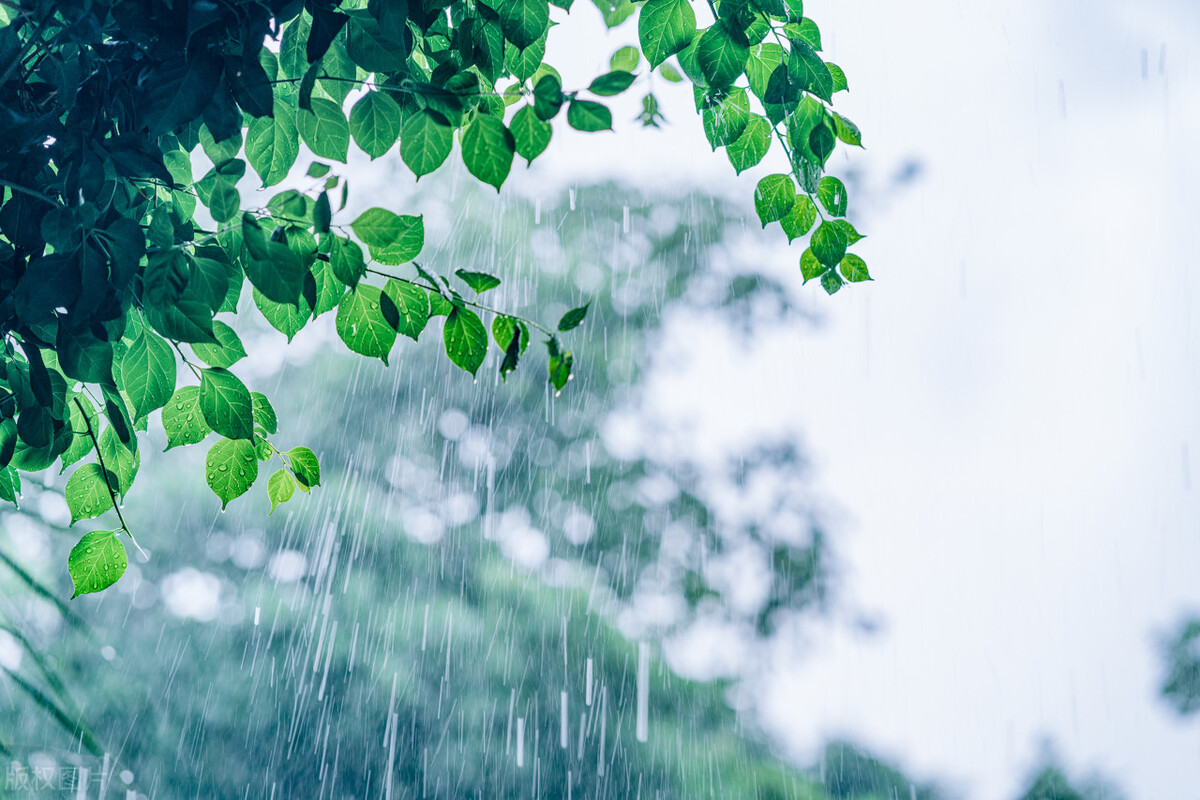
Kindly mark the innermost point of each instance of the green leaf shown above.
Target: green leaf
(847, 131)
(774, 197)
(225, 353)
(512, 350)
(839, 77)
(375, 123)
(854, 269)
(465, 338)
(721, 54)
(224, 202)
(664, 28)
(611, 83)
(406, 246)
(361, 322)
(559, 367)
(725, 121)
(524, 63)
(487, 149)
(120, 459)
(531, 135)
(807, 30)
(810, 267)
(273, 268)
(832, 194)
(845, 227)
(425, 143)
(523, 21)
(412, 307)
(345, 259)
(831, 282)
(547, 97)
(230, 468)
(573, 318)
(317, 170)
(479, 281)
(626, 59)
(96, 562)
(272, 144)
(761, 62)
(283, 317)
(807, 69)
(829, 244)
(89, 492)
(322, 213)
(148, 372)
(614, 11)
(305, 466)
(378, 227)
(502, 331)
(588, 116)
(800, 219)
(226, 404)
(752, 146)
(264, 413)
(325, 129)
(280, 488)
(182, 418)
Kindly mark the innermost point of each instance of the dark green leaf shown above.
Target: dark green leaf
(224, 202)
(465, 338)
(807, 69)
(587, 115)
(573, 318)
(523, 21)
(611, 83)
(547, 97)
(479, 281)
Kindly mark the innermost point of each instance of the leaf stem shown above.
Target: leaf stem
(112, 493)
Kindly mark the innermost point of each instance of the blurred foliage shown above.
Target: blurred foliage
(1181, 652)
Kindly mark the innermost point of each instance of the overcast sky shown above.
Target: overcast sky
(1004, 421)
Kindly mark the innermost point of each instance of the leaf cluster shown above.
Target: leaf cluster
(117, 262)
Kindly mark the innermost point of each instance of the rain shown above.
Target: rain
(932, 537)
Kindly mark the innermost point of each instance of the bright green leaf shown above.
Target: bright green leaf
(280, 488)
(664, 28)
(487, 150)
(182, 418)
(227, 352)
(465, 338)
(89, 492)
(774, 197)
(148, 372)
(230, 468)
(96, 562)
(375, 123)
(361, 322)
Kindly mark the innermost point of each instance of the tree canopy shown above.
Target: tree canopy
(117, 262)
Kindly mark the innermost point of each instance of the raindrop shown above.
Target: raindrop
(643, 692)
(587, 686)
(520, 741)
(257, 615)
(562, 723)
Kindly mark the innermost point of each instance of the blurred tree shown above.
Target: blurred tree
(1181, 652)
(467, 561)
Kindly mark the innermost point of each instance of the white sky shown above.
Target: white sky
(1004, 418)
